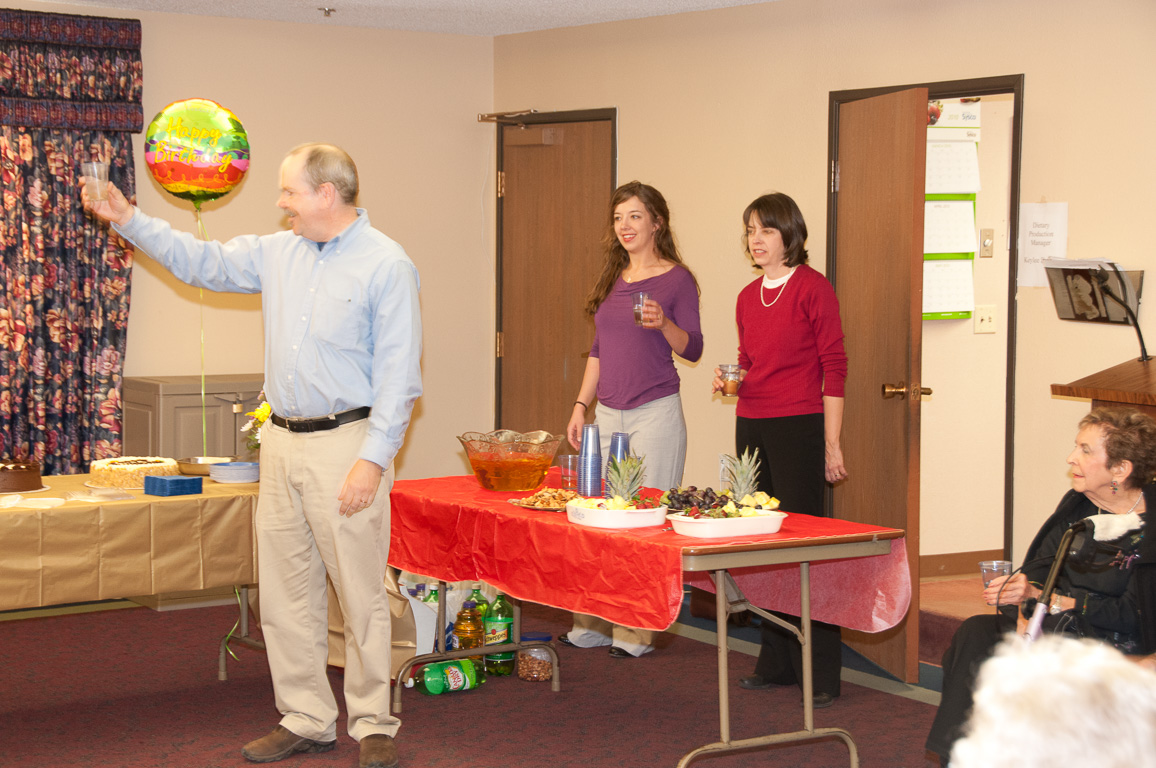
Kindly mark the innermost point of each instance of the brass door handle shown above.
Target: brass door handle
(894, 390)
(901, 391)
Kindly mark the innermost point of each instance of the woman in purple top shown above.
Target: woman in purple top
(631, 368)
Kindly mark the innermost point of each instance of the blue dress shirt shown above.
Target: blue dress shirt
(342, 319)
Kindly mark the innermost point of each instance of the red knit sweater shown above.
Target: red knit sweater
(792, 351)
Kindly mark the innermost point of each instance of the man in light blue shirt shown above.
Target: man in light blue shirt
(342, 371)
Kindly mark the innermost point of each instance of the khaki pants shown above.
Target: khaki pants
(657, 432)
(592, 632)
(300, 538)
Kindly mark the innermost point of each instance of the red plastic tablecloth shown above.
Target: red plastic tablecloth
(450, 528)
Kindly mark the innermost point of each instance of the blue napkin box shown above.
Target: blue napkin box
(171, 485)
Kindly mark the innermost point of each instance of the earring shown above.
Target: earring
(1115, 487)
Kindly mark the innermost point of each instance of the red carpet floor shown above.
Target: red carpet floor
(138, 689)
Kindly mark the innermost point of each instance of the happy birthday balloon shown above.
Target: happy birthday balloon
(197, 150)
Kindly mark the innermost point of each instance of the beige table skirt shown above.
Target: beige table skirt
(148, 545)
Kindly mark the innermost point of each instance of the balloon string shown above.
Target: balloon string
(204, 409)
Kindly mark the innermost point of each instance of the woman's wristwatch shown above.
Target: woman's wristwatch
(1055, 606)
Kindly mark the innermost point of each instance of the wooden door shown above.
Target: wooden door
(555, 184)
(877, 271)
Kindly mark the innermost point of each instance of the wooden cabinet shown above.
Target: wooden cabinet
(167, 416)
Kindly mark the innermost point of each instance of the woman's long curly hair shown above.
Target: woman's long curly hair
(617, 259)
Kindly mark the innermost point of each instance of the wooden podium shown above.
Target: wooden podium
(1131, 383)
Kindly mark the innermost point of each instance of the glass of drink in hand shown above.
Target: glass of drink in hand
(638, 299)
(95, 176)
(990, 569)
(730, 379)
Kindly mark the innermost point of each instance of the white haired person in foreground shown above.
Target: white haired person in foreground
(1060, 701)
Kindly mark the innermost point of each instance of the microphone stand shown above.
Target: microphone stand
(1035, 625)
(1102, 279)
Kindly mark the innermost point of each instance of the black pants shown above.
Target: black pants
(973, 644)
(793, 455)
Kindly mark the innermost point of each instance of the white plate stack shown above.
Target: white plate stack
(235, 472)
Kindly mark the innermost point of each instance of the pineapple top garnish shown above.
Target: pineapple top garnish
(623, 486)
(743, 473)
(624, 478)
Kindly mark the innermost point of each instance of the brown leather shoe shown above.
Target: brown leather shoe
(280, 744)
(378, 751)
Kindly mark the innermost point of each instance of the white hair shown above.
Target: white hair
(1060, 701)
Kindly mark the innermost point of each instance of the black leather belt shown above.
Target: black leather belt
(323, 423)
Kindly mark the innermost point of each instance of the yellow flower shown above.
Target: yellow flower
(257, 418)
(260, 414)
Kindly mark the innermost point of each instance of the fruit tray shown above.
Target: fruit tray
(724, 527)
(615, 518)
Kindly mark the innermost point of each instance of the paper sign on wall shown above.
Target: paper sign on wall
(1043, 235)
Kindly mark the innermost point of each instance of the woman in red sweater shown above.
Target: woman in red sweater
(790, 407)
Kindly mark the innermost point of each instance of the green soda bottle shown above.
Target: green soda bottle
(442, 676)
(498, 624)
(483, 605)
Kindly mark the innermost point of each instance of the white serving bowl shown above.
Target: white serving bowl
(723, 527)
(615, 518)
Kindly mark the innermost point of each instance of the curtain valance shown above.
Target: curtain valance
(71, 72)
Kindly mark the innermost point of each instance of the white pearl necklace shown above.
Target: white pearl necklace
(779, 295)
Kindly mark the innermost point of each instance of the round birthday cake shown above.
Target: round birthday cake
(17, 476)
(130, 471)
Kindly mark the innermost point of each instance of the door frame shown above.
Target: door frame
(953, 89)
(535, 118)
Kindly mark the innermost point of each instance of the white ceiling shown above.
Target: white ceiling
(486, 18)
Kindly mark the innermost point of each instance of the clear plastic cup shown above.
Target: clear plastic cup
(990, 569)
(638, 301)
(95, 177)
(568, 463)
(730, 379)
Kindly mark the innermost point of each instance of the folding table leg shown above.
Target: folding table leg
(730, 599)
(242, 638)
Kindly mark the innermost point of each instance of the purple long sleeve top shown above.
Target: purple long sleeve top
(636, 365)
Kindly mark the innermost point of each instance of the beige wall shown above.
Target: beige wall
(718, 107)
(405, 107)
(714, 109)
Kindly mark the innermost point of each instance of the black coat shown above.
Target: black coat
(1114, 603)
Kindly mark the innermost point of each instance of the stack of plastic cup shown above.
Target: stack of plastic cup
(619, 449)
(590, 462)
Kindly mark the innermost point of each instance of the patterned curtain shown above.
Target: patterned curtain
(70, 91)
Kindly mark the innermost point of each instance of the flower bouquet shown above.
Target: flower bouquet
(257, 418)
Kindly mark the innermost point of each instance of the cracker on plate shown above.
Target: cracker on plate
(552, 498)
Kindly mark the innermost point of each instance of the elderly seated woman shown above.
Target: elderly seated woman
(1109, 599)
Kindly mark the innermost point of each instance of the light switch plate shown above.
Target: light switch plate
(986, 243)
(984, 316)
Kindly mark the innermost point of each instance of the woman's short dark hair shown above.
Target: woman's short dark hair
(780, 212)
(1129, 435)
